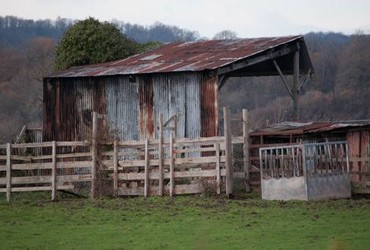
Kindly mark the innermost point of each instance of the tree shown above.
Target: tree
(226, 35)
(90, 41)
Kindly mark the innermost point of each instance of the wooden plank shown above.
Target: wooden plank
(32, 166)
(8, 172)
(160, 155)
(228, 153)
(73, 155)
(31, 180)
(146, 169)
(32, 145)
(74, 164)
(191, 150)
(115, 167)
(74, 178)
(172, 180)
(218, 172)
(31, 189)
(73, 143)
(246, 157)
(45, 188)
(54, 171)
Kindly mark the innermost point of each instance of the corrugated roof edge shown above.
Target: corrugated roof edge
(140, 64)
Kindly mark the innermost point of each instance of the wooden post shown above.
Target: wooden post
(246, 151)
(228, 152)
(218, 170)
(8, 172)
(146, 168)
(160, 155)
(171, 165)
(54, 171)
(94, 148)
(115, 167)
(295, 84)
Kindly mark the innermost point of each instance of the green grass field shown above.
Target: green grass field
(31, 221)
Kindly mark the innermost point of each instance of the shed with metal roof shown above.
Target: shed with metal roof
(179, 80)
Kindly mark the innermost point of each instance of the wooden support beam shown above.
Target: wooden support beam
(258, 59)
(228, 153)
(221, 81)
(54, 171)
(283, 78)
(246, 150)
(304, 81)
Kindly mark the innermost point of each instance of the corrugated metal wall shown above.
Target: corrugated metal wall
(132, 107)
(122, 107)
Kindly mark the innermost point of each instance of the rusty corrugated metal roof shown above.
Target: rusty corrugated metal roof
(182, 56)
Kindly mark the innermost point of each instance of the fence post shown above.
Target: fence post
(53, 171)
(160, 155)
(8, 172)
(171, 165)
(218, 171)
(115, 167)
(228, 152)
(246, 151)
(146, 169)
(94, 154)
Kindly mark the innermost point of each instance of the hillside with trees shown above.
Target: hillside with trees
(339, 88)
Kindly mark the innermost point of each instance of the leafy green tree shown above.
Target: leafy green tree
(90, 41)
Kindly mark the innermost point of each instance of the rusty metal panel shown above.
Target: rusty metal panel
(189, 56)
(146, 107)
(68, 104)
(209, 107)
(123, 108)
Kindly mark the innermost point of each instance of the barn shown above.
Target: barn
(179, 80)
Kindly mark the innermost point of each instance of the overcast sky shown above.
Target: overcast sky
(248, 18)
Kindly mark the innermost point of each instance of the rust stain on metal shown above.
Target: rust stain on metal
(208, 93)
(146, 108)
(185, 57)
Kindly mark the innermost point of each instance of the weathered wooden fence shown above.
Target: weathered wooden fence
(162, 166)
(58, 167)
(158, 167)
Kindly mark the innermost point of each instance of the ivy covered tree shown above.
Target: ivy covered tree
(90, 41)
